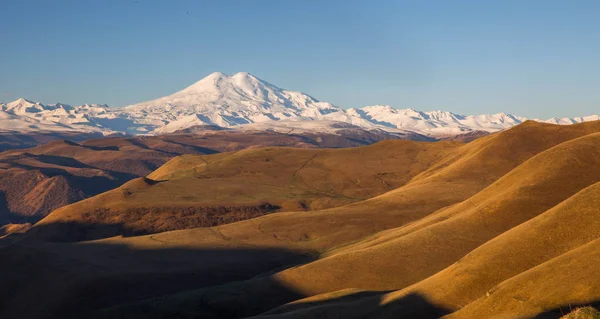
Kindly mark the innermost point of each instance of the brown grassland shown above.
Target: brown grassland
(36, 181)
(505, 226)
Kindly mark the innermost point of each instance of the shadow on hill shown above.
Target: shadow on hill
(59, 160)
(561, 311)
(67, 232)
(71, 280)
(5, 213)
(242, 304)
(410, 306)
(66, 280)
(102, 222)
(90, 185)
(365, 304)
(196, 148)
(90, 147)
(342, 300)
(14, 140)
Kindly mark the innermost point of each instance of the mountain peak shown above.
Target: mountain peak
(218, 84)
(221, 75)
(21, 101)
(216, 75)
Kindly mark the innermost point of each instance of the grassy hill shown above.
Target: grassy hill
(506, 226)
(192, 191)
(35, 181)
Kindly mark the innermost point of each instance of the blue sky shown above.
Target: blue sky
(532, 58)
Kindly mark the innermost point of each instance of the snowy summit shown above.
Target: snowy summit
(244, 101)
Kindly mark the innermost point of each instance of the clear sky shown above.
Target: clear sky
(532, 58)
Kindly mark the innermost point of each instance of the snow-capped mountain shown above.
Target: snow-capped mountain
(229, 101)
(243, 101)
(435, 123)
(23, 115)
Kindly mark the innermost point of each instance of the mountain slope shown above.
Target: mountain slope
(568, 225)
(285, 179)
(241, 100)
(392, 266)
(227, 101)
(436, 241)
(38, 180)
(505, 226)
(25, 116)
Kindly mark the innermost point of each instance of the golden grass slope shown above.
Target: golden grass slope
(568, 226)
(410, 255)
(249, 178)
(573, 223)
(456, 215)
(569, 279)
(283, 178)
(38, 180)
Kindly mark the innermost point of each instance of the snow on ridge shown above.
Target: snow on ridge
(243, 101)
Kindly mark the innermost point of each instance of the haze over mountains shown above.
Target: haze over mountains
(244, 102)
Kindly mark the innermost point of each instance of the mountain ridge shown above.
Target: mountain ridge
(244, 100)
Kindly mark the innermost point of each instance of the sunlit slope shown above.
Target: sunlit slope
(569, 279)
(562, 282)
(449, 181)
(397, 261)
(565, 227)
(251, 180)
(473, 167)
(404, 255)
(568, 225)
(296, 179)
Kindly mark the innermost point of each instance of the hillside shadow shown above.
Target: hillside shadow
(71, 232)
(410, 306)
(90, 185)
(68, 280)
(5, 214)
(366, 304)
(91, 147)
(112, 279)
(214, 304)
(14, 140)
(198, 149)
(59, 160)
(104, 223)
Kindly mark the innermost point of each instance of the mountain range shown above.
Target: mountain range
(245, 102)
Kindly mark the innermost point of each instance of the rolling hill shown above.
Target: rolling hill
(38, 180)
(505, 226)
